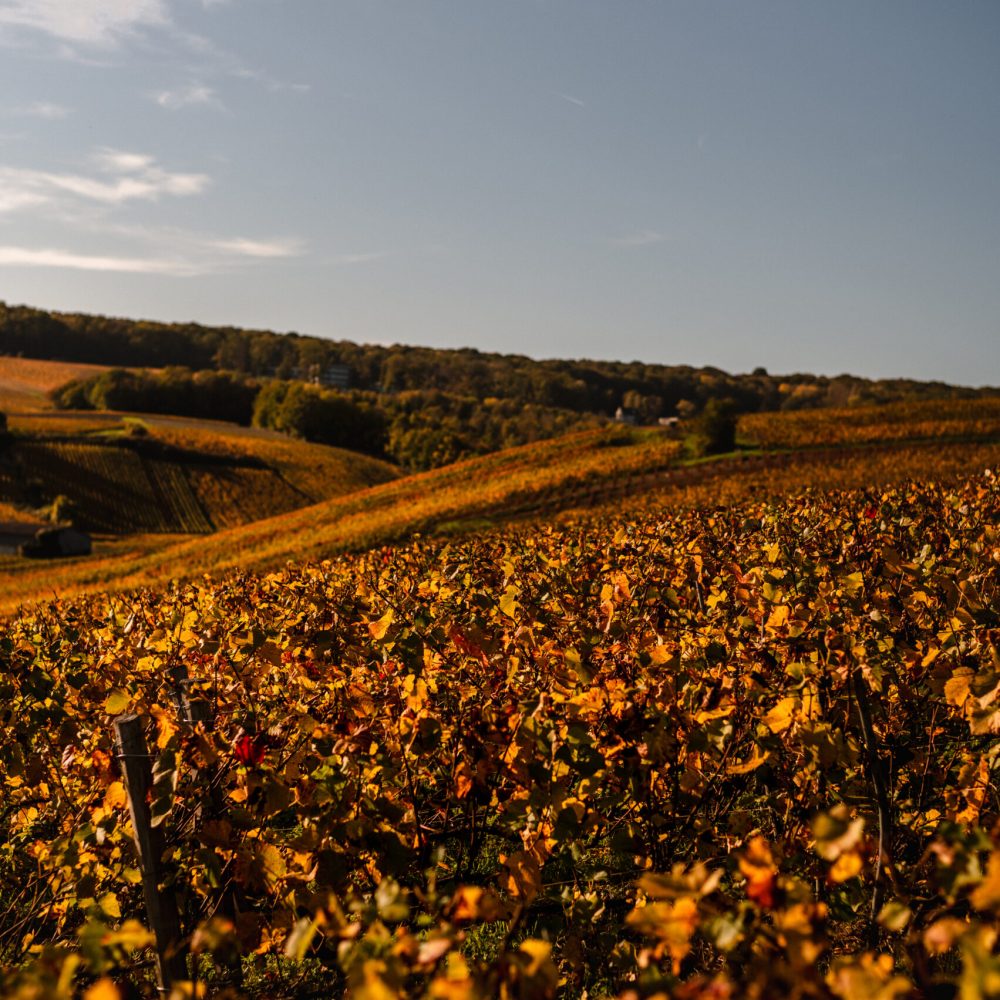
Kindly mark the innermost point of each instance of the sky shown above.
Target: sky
(801, 185)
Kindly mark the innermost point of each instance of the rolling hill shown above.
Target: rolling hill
(619, 468)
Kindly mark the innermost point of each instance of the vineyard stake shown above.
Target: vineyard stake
(195, 711)
(161, 904)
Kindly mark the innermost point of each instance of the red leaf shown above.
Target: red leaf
(249, 750)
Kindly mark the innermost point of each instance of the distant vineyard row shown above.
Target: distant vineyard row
(904, 421)
(118, 489)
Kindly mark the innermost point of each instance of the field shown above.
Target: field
(621, 467)
(584, 718)
(206, 475)
(25, 382)
(939, 420)
(180, 476)
(727, 751)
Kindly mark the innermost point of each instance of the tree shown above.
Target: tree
(714, 430)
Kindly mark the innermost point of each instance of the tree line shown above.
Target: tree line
(418, 429)
(584, 387)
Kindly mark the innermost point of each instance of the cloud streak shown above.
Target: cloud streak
(122, 177)
(42, 109)
(84, 205)
(189, 256)
(642, 238)
(102, 23)
(358, 258)
(14, 256)
(192, 96)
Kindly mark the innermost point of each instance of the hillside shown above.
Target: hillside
(617, 468)
(25, 383)
(135, 474)
(719, 753)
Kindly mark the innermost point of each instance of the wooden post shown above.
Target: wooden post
(197, 711)
(161, 904)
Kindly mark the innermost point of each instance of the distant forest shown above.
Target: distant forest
(419, 406)
(417, 429)
(596, 387)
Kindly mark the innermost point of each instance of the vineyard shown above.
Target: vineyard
(114, 489)
(25, 382)
(742, 751)
(177, 479)
(933, 420)
(582, 718)
(622, 470)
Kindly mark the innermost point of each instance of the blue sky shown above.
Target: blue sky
(801, 185)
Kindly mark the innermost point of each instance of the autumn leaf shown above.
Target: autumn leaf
(378, 629)
(117, 702)
(757, 865)
(524, 877)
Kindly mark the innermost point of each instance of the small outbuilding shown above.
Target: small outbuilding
(53, 543)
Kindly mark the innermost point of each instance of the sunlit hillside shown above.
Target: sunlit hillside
(26, 382)
(614, 469)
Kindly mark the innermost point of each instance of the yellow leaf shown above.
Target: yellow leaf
(758, 867)
(103, 989)
(847, 866)
(524, 877)
(894, 916)
(751, 763)
(508, 603)
(378, 629)
(956, 688)
(672, 923)
(866, 977)
(165, 724)
(778, 617)
(117, 702)
(722, 712)
(941, 936)
(114, 796)
(538, 953)
(836, 832)
(780, 717)
(986, 896)
(471, 904)
(463, 779)
(301, 938)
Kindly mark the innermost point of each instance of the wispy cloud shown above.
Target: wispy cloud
(88, 204)
(359, 258)
(14, 256)
(192, 96)
(172, 253)
(641, 238)
(569, 98)
(15, 200)
(90, 22)
(126, 177)
(42, 109)
(259, 248)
